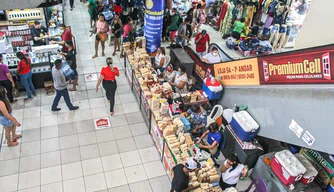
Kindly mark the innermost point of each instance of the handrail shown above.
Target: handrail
(202, 69)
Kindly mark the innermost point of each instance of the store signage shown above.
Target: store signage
(102, 123)
(154, 15)
(241, 72)
(306, 66)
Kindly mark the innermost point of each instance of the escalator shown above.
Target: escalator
(201, 69)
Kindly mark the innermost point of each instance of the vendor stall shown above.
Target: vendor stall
(16, 34)
(167, 124)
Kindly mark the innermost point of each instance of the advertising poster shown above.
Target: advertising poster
(242, 72)
(298, 67)
(102, 123)
(154, 15)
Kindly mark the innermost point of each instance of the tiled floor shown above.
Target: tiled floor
(62, 151)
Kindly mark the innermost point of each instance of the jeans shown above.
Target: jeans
(201, 54)
(71, 3)
(110, 88)
(181, 41)
(26, 81)
(8, 85)
(59, 94)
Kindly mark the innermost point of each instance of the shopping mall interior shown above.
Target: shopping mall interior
(166, 96)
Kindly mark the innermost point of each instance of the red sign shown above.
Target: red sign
(314, 65)
(102, 123)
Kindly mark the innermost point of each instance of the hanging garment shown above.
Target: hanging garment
(249, 15)
(222, 13)
(227, 23)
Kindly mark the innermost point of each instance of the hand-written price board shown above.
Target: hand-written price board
(243, 72)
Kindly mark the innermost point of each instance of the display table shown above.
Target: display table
(274, 184)
(246, 156)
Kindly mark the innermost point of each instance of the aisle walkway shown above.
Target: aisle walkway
(63, 152)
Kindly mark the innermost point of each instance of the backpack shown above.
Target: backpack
(180, 19)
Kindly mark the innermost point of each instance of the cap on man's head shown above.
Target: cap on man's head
(37, 22)
(203, 32)
(192, 164)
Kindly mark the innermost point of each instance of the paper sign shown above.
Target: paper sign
(91, 77)
(102, 123)
(294, 127)
(308, 138)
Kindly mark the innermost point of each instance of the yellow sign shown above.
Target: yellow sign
(243, 72)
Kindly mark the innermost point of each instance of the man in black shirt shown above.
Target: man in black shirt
(39, 34)
(181, 175)
(72, 61)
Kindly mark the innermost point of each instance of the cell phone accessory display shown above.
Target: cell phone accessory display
(27, 14)
(11, 60)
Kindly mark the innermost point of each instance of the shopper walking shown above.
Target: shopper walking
(175, 21)
(101, 28)
(201, 40)
(182, 33)
(108, 78)
(92, 10)
(72, 4)
(126, 31)
(6, 80)
(59, 84)
(8, 121)
(116, 27)
(24, 71)
(72, 61)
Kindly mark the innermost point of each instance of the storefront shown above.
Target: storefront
(16, 27)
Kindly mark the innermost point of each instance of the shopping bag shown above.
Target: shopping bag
(15, 92)
(108, 15)
(66, 69)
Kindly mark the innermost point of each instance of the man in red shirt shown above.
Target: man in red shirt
(66, 35)
(200, 41)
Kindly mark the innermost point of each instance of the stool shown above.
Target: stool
(48, 85)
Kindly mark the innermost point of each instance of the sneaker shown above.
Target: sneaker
(74, 108)
(27, 99)
(56, 109)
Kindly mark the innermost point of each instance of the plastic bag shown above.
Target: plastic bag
(108, 15)
(66, 69)
(15, 92)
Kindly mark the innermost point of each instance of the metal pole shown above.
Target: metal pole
(150, 123)
(132, 80)
(140, 101)
(3, 132)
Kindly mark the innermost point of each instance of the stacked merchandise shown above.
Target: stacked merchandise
(206, 179)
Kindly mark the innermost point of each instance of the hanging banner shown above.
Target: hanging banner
(306, 66)
(154, 15)
(242, 72)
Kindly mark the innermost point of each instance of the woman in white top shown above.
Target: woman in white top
(180, 80)
(231, 171)
(169, 74)
(160, 60)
